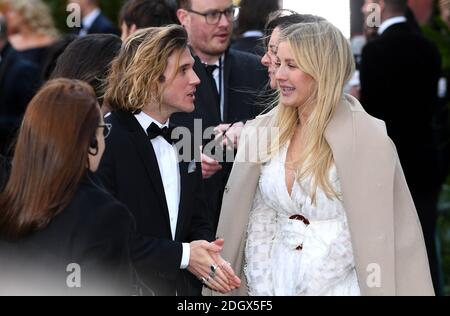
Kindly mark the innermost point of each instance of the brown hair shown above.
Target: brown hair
(147, 13)
(51, 156)
(184, 4)
(137, 73)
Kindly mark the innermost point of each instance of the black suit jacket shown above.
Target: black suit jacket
(102, 25)
(245, 83)
(399, 78)
(94, 231)
(130, 171)
(19, 80)
(252, 45)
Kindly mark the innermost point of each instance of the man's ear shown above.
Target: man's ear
(132, 29)
(182, 15)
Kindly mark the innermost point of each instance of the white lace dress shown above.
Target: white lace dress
(285, 256)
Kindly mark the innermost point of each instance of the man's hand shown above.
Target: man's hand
(223, 265)
(203, 266)
(209, 166)
(230, 133)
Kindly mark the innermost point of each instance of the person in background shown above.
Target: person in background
(19, 81)
(60, 233)
(31, 29)
(227, 97)
(93, 20)
(98, 52)
(317, 199)
(250, 25)
(276, 23)
(139, 14)
(400, 71)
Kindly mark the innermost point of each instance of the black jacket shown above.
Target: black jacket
(94, 232)
(245, 83)
(19, 81)
(102, 25)
(130, 171)
(399, 78)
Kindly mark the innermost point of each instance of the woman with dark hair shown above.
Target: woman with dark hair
(276, 23)
(61, 234)
(88, 59)
(252, 19)
(54, 52)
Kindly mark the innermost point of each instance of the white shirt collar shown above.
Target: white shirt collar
(146, 120)
(89, 19)
(253, 33)
(217, 63)
(389, 22)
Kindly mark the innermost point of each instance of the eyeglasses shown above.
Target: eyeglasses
(213, 17)
(106, 129)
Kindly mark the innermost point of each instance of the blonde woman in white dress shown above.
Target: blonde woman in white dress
(324, 209)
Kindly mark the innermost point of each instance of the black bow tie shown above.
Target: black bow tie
(166, 132)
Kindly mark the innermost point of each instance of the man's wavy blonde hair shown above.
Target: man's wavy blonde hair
(36, 13)
(137, 73)
(321, 51)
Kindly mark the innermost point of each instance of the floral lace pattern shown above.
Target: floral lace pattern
(287, 256)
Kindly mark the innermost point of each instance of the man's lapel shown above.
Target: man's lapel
(148, 157)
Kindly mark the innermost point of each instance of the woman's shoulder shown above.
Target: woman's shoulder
(264, 119)
(369, 130)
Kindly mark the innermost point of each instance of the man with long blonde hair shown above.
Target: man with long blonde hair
(151, 79)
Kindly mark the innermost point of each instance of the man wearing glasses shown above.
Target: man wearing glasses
(231, 83)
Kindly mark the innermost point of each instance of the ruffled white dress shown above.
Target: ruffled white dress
(287, 257)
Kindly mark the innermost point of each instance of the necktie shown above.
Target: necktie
(210, 71)
(166, 132)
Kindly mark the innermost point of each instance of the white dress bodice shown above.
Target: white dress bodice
(295, 247)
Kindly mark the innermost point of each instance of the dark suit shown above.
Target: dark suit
(253, 45)
(399, 78)
(245, 80)
(102, 25)
(130, 171)
(19, 80)
(94, 231)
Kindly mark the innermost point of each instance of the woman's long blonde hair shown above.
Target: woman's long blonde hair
(37, 15)
(137, 73)
(321, 51)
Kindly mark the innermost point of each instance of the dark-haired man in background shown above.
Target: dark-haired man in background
(230, 82)
(139, 14)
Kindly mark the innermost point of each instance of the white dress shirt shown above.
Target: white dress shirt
(389, 22)
(88, 20)
(166, 155)
(216, 75)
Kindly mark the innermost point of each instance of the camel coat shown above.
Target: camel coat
(387, 238)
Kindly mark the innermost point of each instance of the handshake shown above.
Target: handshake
(208, 266)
